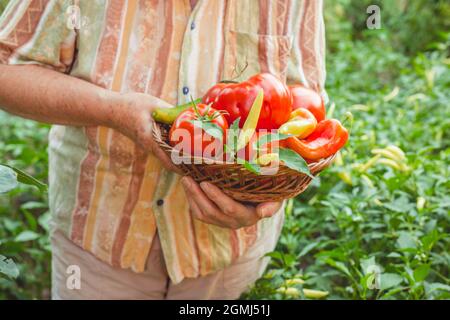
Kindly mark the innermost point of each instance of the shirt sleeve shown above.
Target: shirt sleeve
(307, 59)
(38, 32)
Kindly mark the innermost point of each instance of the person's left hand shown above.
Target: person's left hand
(210, 205)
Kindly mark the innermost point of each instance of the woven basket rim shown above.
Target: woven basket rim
(156, 130)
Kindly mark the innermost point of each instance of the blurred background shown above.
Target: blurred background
(373, 226)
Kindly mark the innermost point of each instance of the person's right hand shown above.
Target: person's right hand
(131, 115)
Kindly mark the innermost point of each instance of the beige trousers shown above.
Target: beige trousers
(77, 274)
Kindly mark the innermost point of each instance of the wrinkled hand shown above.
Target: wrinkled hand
(134, 120)
(210, 205)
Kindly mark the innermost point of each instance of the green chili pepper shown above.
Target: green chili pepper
(168, 115)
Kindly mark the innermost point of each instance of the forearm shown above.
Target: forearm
(48, 96)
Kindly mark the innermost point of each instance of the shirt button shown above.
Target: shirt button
(160, 202)
(192, 25)
(185, 90)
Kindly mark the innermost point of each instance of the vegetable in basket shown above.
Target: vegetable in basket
(328, 137)
(262, 150)
(296, 148)
(308, 99)
(301, 124)
(237, 99)
(168, 115)
(261, 102)
(203, 127)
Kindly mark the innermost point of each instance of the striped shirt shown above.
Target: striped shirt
(107, 195)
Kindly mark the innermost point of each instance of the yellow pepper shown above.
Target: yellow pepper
(267, 158)
(301, 124)
(295, 293)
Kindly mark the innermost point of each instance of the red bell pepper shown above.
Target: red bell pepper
(237, 99)
(328, 137)
(308, 99)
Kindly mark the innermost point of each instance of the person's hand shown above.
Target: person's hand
(210, 205)
(133, 118)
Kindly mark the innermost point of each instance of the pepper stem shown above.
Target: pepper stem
(237, 72)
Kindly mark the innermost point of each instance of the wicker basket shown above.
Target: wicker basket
(239, 183)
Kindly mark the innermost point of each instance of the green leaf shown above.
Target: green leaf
(293, 160)
(11, 225)
(389, 280)
(26, 236)
(430, 239)
(8, 267)
(252, 167)
(33, 205)
(285, 259)
(275, 255)
(438, 286)
(405, 241)
(235, 125)
(307, 248)
(421, 272)
(392, 292)
(339, 265)
(394, 255)
(368, 264)
(31, 220)
(8, 179)
(289, 259)
(25, 178)
(232, 137)
(400, 205)
(44, 221)
(210, 128)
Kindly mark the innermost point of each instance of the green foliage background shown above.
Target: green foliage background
(396, 82)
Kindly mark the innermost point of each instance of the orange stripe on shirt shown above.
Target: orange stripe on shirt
(176, 214)
(213, 41)
(156, 87)
(101, 75)
(136, 80)
(263, 30)
(182, 256)
(137, 177)
(104, 134)
(142, 221)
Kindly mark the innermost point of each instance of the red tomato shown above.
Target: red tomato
(237, 99)
(308, 99)
(186, 136)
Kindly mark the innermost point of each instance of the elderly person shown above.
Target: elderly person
(131, 226)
